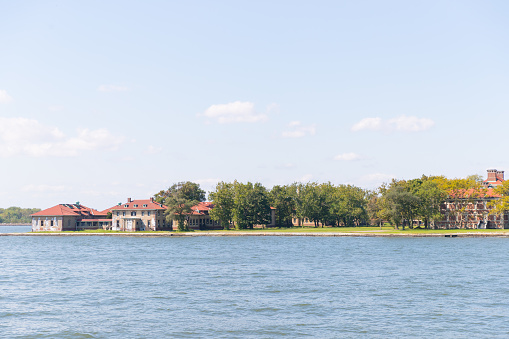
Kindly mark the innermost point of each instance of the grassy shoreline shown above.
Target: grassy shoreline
(328, 231)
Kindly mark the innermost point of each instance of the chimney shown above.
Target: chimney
(500, 175)
(492, 175)
(128, 199)
(151, 199)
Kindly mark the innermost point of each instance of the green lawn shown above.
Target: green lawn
(374, 230)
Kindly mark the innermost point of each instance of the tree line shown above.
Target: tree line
(16, 215)
(400, 202)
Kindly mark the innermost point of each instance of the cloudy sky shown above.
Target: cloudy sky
(104, 100)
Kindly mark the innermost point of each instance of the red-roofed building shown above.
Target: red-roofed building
(139, 215)
(68, 217)
(494, 179)
(199, 218)
(471, 208)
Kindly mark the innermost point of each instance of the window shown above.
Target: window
(123, 214)
(118, 213)
(148, 213)
(42, 223)
(135, 205)
(125, 206)
(51, 222)
(158, 212)
(148, 223)
(142, 213)
(133, 213)
(144, 205)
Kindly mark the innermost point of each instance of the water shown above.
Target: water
(253, 287)
(15, 229)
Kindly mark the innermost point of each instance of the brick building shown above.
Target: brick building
(471, 209)
(68, 217)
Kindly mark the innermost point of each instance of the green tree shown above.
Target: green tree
(179, 200)
(400, 204)
(186, 189)
(223, 199)
(282, 200)
(500, 205)
(251, 205)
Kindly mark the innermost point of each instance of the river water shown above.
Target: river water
(253, 287)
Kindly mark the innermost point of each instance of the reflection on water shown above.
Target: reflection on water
(252, 287)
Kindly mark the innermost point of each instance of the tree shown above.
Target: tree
(282, 200)
(223, 199)
(179, 199)
(251, 205)
(431, 197)
(399, 204)
(186, 189)
(500, 205)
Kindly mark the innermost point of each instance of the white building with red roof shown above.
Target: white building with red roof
(68, 217)
(138, 215)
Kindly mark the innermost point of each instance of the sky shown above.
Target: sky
(105, 100)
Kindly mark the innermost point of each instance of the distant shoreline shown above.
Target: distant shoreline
(265, 234)
(19, 224)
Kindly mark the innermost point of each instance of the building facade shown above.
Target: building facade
(139, 215)
(68, 217)
(471, 208)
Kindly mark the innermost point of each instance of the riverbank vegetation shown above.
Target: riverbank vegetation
(399, 202)
(17, 215)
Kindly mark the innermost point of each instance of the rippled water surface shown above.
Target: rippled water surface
(253, 287)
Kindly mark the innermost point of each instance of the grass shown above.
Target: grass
(375, 230)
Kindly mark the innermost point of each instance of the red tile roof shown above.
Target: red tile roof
(474, 193)
(69, 210)
(202, 208)
(147, 204)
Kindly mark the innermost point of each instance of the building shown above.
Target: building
(138, 215)
(69, 217)
(494, 179)
(199, 218)
(471, 208)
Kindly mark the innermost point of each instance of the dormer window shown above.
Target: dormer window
(125, 206)
(135, 205)
(144, 205)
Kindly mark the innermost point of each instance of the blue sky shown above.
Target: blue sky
(104, 100)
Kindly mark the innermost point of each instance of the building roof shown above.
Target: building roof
(147, 204)
(474, 193)
(202, 208)
(74, 210)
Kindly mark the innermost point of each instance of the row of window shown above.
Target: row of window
(133, 213)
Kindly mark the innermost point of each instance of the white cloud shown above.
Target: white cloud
(21, 136)
(4, 97)
(234, 112)
(411, 124)
(153, 149)
(372, 124)
(112, 88)
(402, 124)
(347, 156)
(297, 130)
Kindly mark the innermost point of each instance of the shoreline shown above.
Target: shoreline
(267, 234)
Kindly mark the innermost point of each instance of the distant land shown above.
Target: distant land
(16, 215)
